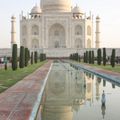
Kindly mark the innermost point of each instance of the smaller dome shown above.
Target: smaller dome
(76, 9)
(13, 17)
(97, 17)
(36, 10)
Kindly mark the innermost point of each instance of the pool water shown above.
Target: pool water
(72, 94)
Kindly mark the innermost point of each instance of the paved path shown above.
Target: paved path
(17, 102)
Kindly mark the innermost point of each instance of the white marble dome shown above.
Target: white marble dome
(76, 9)
(36, 10)
(56, 5)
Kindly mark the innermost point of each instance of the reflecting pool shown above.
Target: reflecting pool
(72, 94)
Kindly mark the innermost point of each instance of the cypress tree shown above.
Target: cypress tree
(5, 63)
(14, 57)
(41, 57)
(79, 58)
(22, 57)
(35, 57)
(92, 57)
(104, 56)
(87, 57)
(99, 57)
(113, 58)
(84, 58)
(31, 58)
(26, 57)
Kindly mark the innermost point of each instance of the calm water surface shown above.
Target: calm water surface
(72, 94)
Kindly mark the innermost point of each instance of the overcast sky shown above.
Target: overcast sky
(108, 10)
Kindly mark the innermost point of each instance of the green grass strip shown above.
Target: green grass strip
(107, 67)
(10, 77)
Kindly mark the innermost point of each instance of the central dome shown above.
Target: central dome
(56, 5)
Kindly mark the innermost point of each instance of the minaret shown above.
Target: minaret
(13, 30)
(97, 32)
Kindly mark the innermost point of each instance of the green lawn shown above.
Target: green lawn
(107, 67)
(9, 77)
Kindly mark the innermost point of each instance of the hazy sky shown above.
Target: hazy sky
(108, 10)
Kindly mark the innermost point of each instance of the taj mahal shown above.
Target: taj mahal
(56, 24)
(57, 28)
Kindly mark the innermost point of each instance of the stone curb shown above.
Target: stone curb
(38, 101)
(103, 75)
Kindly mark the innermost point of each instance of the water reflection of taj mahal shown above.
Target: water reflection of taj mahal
(66, 93)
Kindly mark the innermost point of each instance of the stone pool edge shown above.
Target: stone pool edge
(100, 74)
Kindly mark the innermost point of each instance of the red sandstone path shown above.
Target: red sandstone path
(17, 102)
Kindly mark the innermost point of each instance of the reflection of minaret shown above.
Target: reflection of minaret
(97, 32)
(104, 83)
(89, 89)
(13, 30)
(97, 89)
(113, 85)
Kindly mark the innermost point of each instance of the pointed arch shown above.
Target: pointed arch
(35, 43)
(24, 30)
(78, 43)
(35, 30)
(89, 43)
(78, 30)
(88, 30)
(57, 36)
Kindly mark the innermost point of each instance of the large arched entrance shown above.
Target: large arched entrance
(57, 36)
